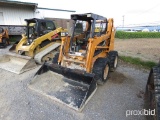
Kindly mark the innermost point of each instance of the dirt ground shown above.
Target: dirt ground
(123, 91)
(146, 49)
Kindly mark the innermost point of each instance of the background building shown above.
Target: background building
(13, 13)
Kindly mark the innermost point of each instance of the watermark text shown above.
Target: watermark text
(140, 112)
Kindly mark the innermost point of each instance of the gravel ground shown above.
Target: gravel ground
(146, 49)
(123, 91)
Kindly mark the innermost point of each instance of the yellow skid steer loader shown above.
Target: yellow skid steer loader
(39, 45)
(85, 59)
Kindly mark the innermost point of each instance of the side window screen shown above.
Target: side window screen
(31, 28)
(80, 26)
(43, 26)
(50, 26)
(100, 26)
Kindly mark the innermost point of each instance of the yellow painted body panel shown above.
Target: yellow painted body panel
(32, 49)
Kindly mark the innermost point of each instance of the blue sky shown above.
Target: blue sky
(134, 11)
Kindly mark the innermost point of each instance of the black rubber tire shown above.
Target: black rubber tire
(152, 93)
(55, 59)
(113, 57)
(98, 69)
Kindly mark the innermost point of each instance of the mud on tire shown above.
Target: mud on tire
(101, 70)
(113, 57)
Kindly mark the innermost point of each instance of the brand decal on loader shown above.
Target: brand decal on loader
(54, 36)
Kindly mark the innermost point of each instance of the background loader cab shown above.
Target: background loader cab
(35, 28)
(38, 27)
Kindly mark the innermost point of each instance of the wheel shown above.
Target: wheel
(101, 70)
(152, 93)
(113, 57)
(55, 59)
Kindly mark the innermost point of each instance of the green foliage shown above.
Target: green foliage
(12, 39)
(138, 61)
(129, 35)
(15, 38)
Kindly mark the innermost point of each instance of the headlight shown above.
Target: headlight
(62, 34)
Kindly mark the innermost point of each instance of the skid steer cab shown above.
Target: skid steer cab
(85, 59)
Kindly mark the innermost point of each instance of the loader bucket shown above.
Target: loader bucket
(70, 87)
(16, 63)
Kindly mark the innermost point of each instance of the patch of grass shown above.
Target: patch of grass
(129, 35)
(12, 39)
(138, 61)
